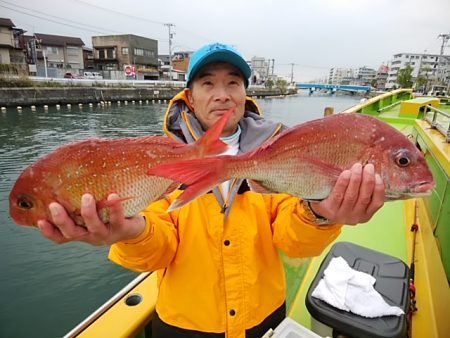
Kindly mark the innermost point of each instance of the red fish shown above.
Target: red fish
(306, 160)
(101, 167)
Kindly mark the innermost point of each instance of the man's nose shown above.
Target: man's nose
(221, 94)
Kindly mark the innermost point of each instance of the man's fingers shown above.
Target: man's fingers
(90, 215)
(377, 196)
(116, 215)
(337, 194)
(51, 232)
(352, 192)
(64, 223)
(367, 186)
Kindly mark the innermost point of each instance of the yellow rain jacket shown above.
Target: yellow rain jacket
(216, 277)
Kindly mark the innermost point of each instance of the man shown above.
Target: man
(220, 279)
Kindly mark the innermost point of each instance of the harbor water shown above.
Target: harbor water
(47, 289)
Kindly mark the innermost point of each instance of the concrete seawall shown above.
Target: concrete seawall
(48, 96)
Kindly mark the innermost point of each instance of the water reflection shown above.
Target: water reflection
(47, 289)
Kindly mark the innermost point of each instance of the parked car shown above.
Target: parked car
(93, 75)
(70, 75)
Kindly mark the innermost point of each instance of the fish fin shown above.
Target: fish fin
(258, 187)
(210, 144)
(189, 172)
(198, 176)
(174, 186)
(104, 203)
(193, 191)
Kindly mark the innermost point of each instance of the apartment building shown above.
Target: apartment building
(115, 55)
(341, 76)
(12, 51)
(428, 65)
(362, 76)
(56, 54)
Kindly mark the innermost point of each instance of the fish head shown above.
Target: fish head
(402, 166)
(28, 199)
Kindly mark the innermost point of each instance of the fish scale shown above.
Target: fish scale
(306, 160)
(101, 167)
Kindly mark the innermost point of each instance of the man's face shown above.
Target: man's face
(216, 88)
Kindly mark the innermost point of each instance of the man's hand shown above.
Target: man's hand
(64, 229)
(356, 196)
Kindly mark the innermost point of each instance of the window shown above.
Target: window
(139, 52)
(124, 50)
(106, 53)
(52, 50)
(73, 51)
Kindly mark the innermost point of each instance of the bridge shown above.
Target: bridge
(317, 86)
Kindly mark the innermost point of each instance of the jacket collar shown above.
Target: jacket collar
(180, 123)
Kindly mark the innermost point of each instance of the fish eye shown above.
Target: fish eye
(24, 202)
(402, 159)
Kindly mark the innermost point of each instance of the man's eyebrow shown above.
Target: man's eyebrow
(207, 73)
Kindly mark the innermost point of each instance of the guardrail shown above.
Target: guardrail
(106, 82)
(435, 123)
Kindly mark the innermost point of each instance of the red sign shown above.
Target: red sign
(130, 70)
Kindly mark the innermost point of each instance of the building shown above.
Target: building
(260, 67)
(364, 76)
(55, 55)
(180, 63)
(431, 66)
(126, 56)
(88, 59)
(12, 48)
(381, 77)
(341, 76)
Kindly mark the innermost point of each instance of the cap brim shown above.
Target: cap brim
(222, 56)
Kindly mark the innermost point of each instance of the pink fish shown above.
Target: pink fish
(306, 160)
(101, 167)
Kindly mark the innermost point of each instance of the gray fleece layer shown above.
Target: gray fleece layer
(255, 130)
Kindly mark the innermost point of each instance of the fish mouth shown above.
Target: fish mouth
(421, 189)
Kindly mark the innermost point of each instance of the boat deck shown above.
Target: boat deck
(389, 231)
(384, 233)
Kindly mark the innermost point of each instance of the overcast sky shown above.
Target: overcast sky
(314, 34)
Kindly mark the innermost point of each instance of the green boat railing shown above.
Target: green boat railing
(436, 123)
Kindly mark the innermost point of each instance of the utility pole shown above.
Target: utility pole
(170, 25)
(292, 72)
(441, 63)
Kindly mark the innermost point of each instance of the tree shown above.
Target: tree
(282, 85)
(421, 82)
(404, 77)
(374, 83)
(269, 83)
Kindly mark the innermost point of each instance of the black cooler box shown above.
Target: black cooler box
(392, 283)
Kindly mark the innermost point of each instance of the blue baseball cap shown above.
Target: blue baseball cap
(217, 52)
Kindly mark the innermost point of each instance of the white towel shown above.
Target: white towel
(351, 290)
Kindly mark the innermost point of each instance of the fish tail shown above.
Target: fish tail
(210, 144)
(198, 175)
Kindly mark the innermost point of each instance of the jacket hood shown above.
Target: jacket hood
(180, 123)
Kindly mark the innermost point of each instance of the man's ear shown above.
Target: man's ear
(189, 97)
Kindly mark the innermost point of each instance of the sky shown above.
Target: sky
(314, 35)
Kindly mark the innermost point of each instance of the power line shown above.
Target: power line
(56, 17)
(54, 21)
(119, 13)
(141, 18)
